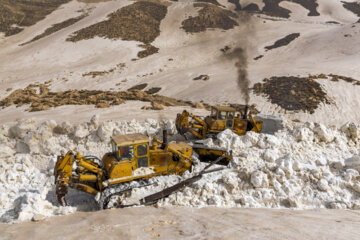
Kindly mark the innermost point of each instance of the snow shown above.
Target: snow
(301, 166)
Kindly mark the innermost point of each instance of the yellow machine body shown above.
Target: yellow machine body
(221, 118)
(129, 153)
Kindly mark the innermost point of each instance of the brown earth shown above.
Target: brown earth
(94, 74)
(57, 27)
(273, 9)
(293, 93)
(149, 50)
(202, 77)
(45, 99)
(258, 57)
(353, 7)
(139, 22)
(24, 13)
(335, 78)
(153, 90)
(283, 41)
(210, 16)
(138, 87)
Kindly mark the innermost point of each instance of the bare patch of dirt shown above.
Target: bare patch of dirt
(252, 7)
(138, 87)
(16, 14)
(40, 98)
(153, 90)
(293, 93)
(283, 41)
(139, 22)
(210, 16)
(94, 74)
(273, 9)
(310, 5)
(335, 78)
(202, 77)
(225, 49)
(57, 27)
(353, 7)
(149, 50)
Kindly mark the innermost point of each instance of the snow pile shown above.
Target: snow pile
(23, 190)
(304, 166)
(28, 153)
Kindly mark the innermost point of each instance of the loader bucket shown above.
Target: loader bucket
(182, 122)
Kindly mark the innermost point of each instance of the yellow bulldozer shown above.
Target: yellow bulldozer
(130, 164)
(220, 118)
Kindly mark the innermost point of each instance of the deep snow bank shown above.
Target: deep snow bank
(302, 166)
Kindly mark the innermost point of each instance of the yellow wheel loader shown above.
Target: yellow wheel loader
(221, 118)
(121, 170)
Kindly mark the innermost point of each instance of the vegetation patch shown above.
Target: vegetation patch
(57, 27)
(353, 7)
(40, 98)
(153, 90)
(293, 93)
(138, 87)
(202, 77)
(272, 7)
(137, 22)
(94, 74)
(283, 41)
(210, 16)
(16, 14)
(149, 50)
(335, 78)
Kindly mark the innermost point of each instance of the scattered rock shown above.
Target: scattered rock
(283, 41)
(38, 218)
(202, 77)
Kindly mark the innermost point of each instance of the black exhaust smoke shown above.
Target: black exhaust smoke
(246, 109)
(165, 139)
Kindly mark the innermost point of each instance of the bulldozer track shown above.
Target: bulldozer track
(119, 189)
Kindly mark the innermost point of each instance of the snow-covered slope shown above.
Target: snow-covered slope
(328, 44)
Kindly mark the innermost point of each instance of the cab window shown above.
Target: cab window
(126, 152)
(142, 150)
(213, 113)
(230, 115)
(222, 115)
(114, 149)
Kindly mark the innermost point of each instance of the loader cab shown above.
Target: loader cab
(132, 148)
(222, 117)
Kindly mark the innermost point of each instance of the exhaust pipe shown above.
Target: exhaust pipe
(246, 112)
(165, 139)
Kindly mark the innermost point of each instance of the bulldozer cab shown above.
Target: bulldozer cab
(131, 147)
(224, 116)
